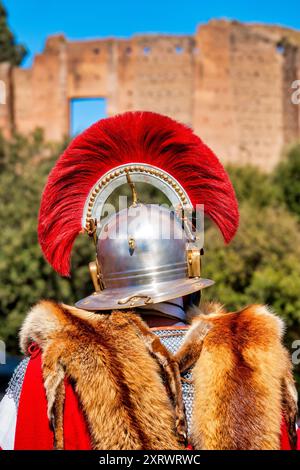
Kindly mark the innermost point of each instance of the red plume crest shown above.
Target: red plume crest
(133, 137)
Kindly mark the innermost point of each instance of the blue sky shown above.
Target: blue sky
(32, 20)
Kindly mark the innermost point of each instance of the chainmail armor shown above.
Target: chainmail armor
(172, 340)
(15, 384)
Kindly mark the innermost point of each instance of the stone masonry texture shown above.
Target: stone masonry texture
(231, 82)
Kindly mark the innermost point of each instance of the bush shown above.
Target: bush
(287, 178)
(255, 187)
(10, 51)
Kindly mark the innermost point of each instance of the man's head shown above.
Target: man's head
(132, 267)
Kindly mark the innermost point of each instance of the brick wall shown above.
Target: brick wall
(230, 81)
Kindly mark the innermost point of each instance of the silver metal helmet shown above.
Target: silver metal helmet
(144, 256)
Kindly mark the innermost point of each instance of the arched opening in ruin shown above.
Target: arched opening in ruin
(84, 112)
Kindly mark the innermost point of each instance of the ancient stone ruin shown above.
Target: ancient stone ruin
(232, 82)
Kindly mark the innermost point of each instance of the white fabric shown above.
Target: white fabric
(167, 310)
(8, 421)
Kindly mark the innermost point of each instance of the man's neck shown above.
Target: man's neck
(154, 321)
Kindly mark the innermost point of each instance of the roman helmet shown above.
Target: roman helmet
(145, 253)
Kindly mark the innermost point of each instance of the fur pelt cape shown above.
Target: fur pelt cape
(129, 386)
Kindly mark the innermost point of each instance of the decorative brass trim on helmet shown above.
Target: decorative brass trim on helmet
(131, 300)
(194, 262)
(109, 177)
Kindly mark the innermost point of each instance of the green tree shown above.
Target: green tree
(254, 186)
(287, 178)
(10, 51)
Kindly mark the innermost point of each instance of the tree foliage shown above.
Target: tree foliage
(10, 51)
(287, 178)
(255, 187)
